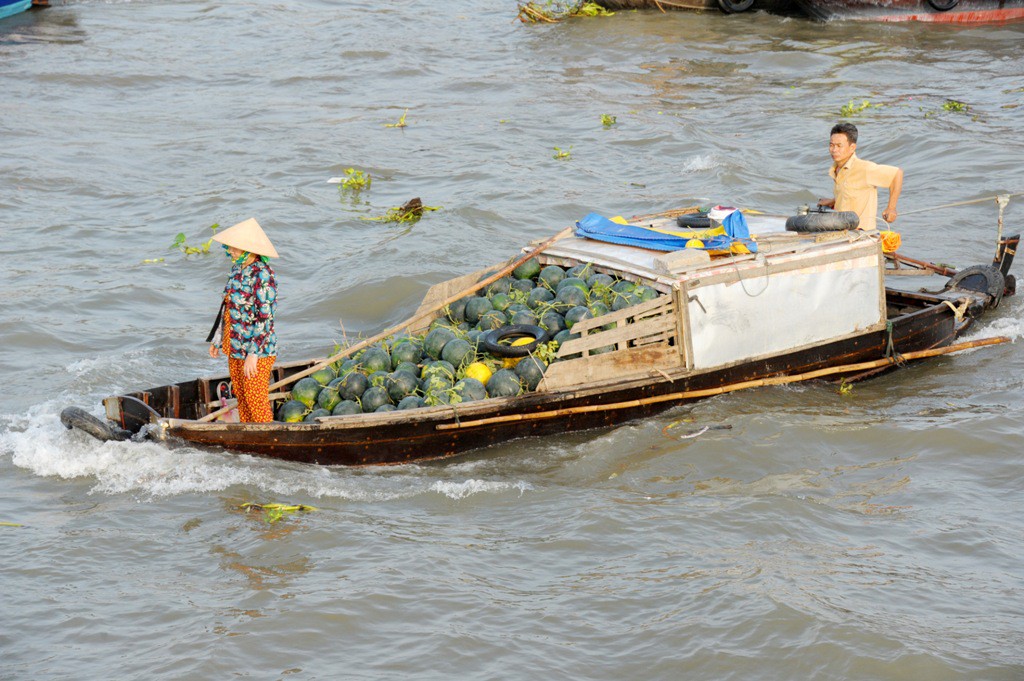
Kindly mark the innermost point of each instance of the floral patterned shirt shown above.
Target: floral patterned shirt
(251, 297)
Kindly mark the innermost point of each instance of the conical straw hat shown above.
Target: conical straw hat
(248, 236)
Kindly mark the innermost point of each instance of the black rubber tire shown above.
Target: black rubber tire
(74, 417)
(735, 6)
(694, 221)
(831, 221)
(490, 340)
(943, 5)
(985, 279)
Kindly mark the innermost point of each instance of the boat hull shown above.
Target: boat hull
(965, 12)
(12, 7)
(442, 432)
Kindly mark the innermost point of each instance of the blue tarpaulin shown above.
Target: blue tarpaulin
(734, 231)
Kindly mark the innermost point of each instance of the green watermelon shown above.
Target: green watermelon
(412, 402)
(347, 366)
(406, 350)
(552, 321)
(438, 368)
(504, 383)
(328, 398)
(502, 285)
(522, 285)
(409, 368)
(458, 353)
(527, 270)
(457, 311)
(443, 323)
(377, 378)
(623, 286)
(346, 408)
(530, 370)
(435, 341)
(500, 301)
(524, 317)
(292, 411)
(374, 397)
(306, 391)
(577, 314)
(475, 307)
(551, 276)
(493, 320)
(565, 335)
(600, 280)
(569, 297)
(401, 384)
(353, 385)
(470, 390)
(312, 416)
(539, 296)
(386, 407)
(573, 281)
(583, 270)
(325, 375)
(645, 293)
(375, 359)
(625, 300)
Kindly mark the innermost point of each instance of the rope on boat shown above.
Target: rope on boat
(1001, 199)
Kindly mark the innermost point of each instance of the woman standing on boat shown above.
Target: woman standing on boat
(246, 318)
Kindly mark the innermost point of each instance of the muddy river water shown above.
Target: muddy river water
(872, 535)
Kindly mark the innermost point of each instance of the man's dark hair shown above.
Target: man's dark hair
(848, 129)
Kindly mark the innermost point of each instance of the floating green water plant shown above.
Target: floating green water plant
(355, 180)
(553, 11)
(563, 155)
(608, 120)
(274, 512)
(411, 211)
(400, 123)
(954, 106)
(188, 249)
(852, 109)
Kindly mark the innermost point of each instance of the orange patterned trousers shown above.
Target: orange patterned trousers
(253, 402)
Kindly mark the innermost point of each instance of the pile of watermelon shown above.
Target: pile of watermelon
(448, 364)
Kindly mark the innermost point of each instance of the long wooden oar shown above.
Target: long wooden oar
(404, 325)
(692, 394)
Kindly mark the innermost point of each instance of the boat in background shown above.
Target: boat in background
(932, 11)
(11, 7)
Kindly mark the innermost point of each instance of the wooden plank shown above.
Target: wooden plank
(646, 309)
(440, 291)
(610, 366)
(622, 334)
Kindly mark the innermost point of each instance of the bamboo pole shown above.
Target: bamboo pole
(708, 392)
(404, 325)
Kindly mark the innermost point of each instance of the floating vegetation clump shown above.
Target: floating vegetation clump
(851, 108)
(181, 244)
(552, 12)
(355, 180)
(563, 155)
(274, 512)
(411, 211)
(608, 120)
(400, 123)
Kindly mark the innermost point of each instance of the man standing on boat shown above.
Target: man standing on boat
(857, 180)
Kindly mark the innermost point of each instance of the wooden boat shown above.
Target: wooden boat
(12, 7)
(726, 6)
(804, 306)
(934, 11)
